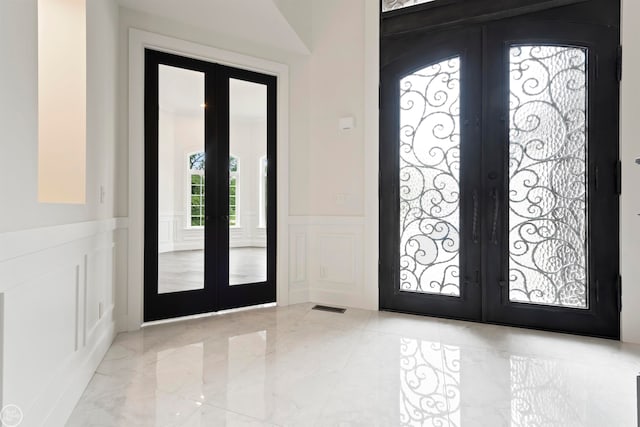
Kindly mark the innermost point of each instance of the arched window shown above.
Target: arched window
(197, 193)
(262, 173)
(196, 189)
(234, 170)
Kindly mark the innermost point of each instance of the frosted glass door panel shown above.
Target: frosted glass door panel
(429, 179)
(181, 179)
(548, 176)
(247, 182)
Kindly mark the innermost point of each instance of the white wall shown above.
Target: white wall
(630, 150)
(333, 242)
(19, 117)
(57, 270)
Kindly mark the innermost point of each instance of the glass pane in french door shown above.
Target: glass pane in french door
(548, 175)
(430, 179)
(247, 182)
(181, 179)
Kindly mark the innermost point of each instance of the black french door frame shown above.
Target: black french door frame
(414, 37)
(216, 294)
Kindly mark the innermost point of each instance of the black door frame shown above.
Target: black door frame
(216, 294)
(402, 31)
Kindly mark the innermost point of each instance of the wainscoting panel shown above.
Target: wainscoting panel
(298, 286)
(58, 317)
(338, 260)
(326, 260)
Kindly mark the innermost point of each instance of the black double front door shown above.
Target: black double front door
(499, 167)
(210, 202)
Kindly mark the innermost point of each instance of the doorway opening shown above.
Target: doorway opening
(210, 188)
(500, 163)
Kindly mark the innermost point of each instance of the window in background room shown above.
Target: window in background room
(233, 191)
(263, 192)
(196, 182)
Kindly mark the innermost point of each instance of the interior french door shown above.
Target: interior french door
(499, 168)
(210, 167)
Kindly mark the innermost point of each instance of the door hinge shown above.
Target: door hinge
(619, 284)
(619, 178)
(619, 64)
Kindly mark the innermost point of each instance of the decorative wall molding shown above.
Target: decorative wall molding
(326, 260)
(58, 319)
(23, 242)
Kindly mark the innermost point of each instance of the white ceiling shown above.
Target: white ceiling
(182, 92)
(260, 21)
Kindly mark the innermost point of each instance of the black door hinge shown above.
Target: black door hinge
(619, 284)
(619, 178)
(619, 64)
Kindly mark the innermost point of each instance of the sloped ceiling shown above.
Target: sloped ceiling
(259, 21)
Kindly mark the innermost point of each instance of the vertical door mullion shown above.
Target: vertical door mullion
(212, 191)
(494, 178)
(221, 174)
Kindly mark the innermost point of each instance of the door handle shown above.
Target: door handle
(496, 216)
(474, 224)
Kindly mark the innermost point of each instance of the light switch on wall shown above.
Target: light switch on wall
(346, 123)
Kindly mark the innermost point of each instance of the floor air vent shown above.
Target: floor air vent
(329, 309)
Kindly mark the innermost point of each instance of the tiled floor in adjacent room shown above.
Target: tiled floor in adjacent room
(292, 366)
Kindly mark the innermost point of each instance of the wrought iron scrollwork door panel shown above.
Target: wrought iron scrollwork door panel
(555, 264)
(431, 162)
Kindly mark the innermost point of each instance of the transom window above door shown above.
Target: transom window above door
(388, 5)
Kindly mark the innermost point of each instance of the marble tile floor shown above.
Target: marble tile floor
(293, 366)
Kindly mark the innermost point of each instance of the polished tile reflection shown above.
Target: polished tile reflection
(291, 366)
(429, 383)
